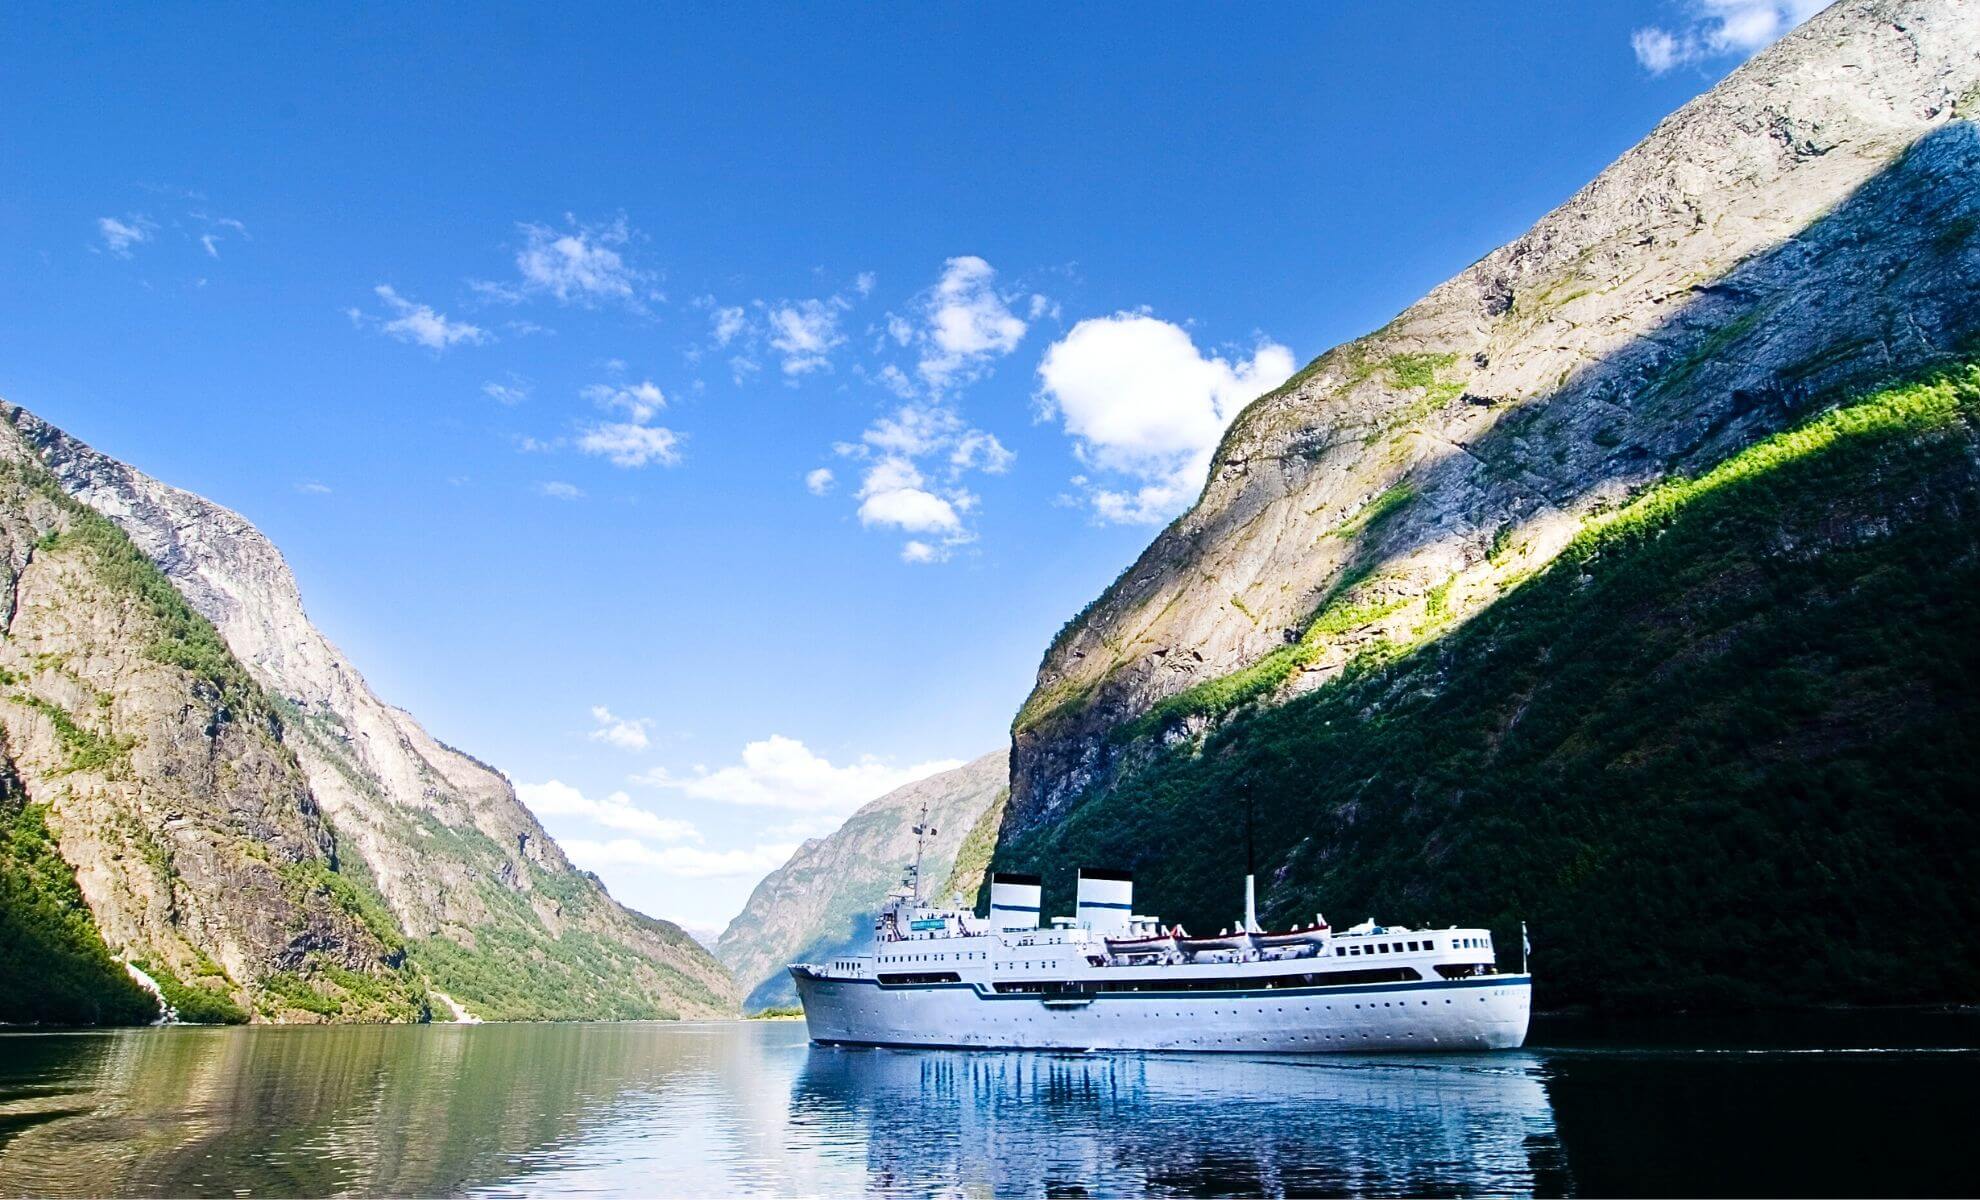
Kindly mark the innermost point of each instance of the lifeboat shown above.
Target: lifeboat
(1223, 941)
(1315, 936)
(1160, 943)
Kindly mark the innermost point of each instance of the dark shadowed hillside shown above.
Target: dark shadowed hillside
(1720, 752)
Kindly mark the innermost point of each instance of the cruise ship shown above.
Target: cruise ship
(1107, 978)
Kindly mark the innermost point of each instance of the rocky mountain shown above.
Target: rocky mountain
(432, 841)
(1325, 633)
(142, 771)
(1803, 228)
(821, 902)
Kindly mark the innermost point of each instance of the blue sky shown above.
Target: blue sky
(707, 415)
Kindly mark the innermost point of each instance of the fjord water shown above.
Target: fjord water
(751, 1108)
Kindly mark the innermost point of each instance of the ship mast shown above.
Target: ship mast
(922, 832)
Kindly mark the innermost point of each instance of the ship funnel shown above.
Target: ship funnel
(1106, 901)
(1014, 901)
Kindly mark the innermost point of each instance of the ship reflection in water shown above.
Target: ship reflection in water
(753, 1109)
(1061, 1124)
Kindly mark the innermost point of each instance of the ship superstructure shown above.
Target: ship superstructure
(1109, 978)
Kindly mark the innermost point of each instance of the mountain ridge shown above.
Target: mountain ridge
(1711, 286)
(821, 901)
(494, 912)
(1618, 585)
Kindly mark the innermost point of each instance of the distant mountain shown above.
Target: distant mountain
(429, 845)
(822, 901)
(1326, 632)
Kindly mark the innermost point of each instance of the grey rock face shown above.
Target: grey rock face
(194, 838)
(1805, 228)
(822, 901)
(441, 835)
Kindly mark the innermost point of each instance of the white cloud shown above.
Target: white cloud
(557, 489)
(975, 450)
(726, 324)
(418, 323)
(640, 402)
(805, 332)
(896, 493)
(968, 323)
(626, 445)
(896, 381)
(630, 443)
(580, 264)
(906, 508)
(218, 229)
(818, 482)
(685, 862)
(802, 333)
(120, 235)
(1718, 28)
(1141, 401)
(514, 390)
(616, 811)
(626, 734)
(311, 487)
(782, 773)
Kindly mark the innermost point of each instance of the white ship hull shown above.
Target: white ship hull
(1488, 1012)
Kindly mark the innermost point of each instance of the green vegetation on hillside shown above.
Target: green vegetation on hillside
(518, 971)
(202, 1002)
(40, 907)
(183, 638)
(978, 846)
(509, 975)
(1718, 754)
(83, 748)
(56, 967)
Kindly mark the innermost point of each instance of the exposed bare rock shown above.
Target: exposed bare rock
(1806, 227)
(822, 901)
(160, 769)
(494, 910)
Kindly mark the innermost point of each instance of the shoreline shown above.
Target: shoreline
(1561, 1020)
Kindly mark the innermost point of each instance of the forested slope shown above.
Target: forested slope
(1720, 752)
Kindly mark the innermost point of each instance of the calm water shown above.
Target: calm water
(751, 1108)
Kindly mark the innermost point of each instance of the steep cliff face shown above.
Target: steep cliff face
(492, 911)
(154, 763)
(1718, 754)
(821, 902)
(1805, 228)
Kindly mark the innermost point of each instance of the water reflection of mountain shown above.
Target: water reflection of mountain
(1835, 1121)
(318, 1111)
(1063, 1124)
(730, 1109)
